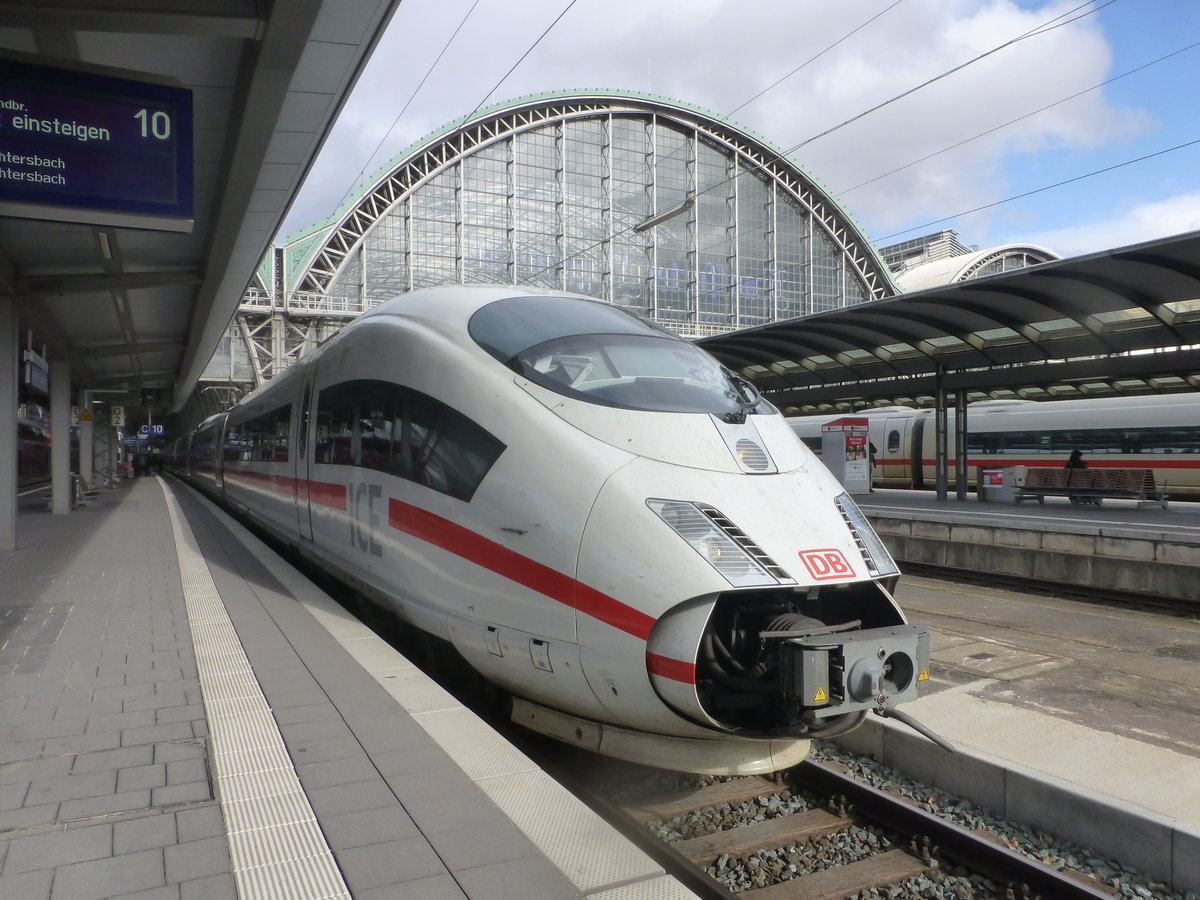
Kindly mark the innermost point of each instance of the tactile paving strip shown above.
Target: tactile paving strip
(276, 848)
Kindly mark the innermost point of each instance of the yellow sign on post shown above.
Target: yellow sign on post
(85, 416)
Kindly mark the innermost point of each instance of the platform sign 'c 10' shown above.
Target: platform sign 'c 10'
(84, 147)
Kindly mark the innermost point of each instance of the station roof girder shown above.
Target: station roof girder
(1121, 321)
(267, 82)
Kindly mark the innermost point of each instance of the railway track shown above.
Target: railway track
(819, 834)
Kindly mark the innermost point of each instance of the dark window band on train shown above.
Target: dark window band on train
(1089, 440)
(378, 425)
(262, 438)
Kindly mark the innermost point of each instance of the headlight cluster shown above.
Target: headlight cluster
(712, 542)
(879, 561)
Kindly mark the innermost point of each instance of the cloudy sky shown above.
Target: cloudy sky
(1039, 141)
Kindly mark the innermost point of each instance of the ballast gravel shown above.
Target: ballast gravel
(784, 863)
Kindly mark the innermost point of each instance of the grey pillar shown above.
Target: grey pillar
(940, 418)
(8, 423)
(60, 435)
(961, 464)
(87, 432)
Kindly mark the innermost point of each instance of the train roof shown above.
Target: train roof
(454, 304)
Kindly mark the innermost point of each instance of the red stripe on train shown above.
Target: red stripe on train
(482, 551)
(322, 492)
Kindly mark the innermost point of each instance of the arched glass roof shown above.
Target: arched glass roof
(549, 190)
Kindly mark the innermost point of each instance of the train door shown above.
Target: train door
(301, 473)
(894, 462)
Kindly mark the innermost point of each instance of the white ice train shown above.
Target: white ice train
(601, 519)
(1160, 432)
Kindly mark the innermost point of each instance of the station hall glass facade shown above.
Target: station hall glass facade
(549, 191)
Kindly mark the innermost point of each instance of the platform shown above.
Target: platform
(182, 715)
(1150, 551)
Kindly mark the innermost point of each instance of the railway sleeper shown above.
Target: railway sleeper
(886, 869)
(737, 790)
(797, 828)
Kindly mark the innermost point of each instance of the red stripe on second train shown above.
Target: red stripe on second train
(497, 558)
(1094, 462)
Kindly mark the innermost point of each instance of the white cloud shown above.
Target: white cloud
(1141, 222)
(719, 53)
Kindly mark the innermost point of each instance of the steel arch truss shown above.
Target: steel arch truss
(467, 137)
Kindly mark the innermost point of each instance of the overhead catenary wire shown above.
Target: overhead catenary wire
(1048, 187)
(408, 103)
(1022, 118)
(1052, 24)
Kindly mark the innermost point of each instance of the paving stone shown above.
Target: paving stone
(365, 827)
(189, 712)
(406, 859)
(120, 758)
(197, 859)
(73, 810)
(34, 769)
(200, 822)
(58, 848)
(28, 817)
(156, 701)
(189, 792)
(14, 751)
(215, 887)
(144, 833)
(189, 748)
(166, 892)
(65, 697)
(123, 691)
(531, 878)
(27, 886)
(150, 776)
(83, 743)
(437, 887)
(154, 734)
(71, 787)
(115, 876)
(345, 798)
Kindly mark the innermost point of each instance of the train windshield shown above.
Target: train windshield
(603, 354)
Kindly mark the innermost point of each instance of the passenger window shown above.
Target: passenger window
(261, 438)
(893, 441)
(383, 426)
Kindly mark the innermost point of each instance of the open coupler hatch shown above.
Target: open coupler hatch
(786, 662)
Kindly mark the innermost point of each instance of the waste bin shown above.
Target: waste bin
(997, 484)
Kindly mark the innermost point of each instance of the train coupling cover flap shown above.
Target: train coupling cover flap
(874, 668)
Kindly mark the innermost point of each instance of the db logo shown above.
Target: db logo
(826, 564)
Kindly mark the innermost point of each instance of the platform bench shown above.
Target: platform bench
(1090, 486)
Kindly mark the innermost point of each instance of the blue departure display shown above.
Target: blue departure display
(90, 142)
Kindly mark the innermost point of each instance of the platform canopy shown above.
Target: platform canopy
(1124, 321)
(140, 303)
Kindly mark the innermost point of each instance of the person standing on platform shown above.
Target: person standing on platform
(1076, 461)
(871, 456)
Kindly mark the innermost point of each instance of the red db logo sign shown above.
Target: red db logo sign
(824, 565)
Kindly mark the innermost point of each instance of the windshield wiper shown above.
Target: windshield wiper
(749, 396)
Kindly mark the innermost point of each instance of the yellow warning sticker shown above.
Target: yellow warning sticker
(85, 416)
(820, 696)
(924, 676)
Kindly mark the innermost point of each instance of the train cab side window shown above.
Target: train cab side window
(383, 426)
(893, 442)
